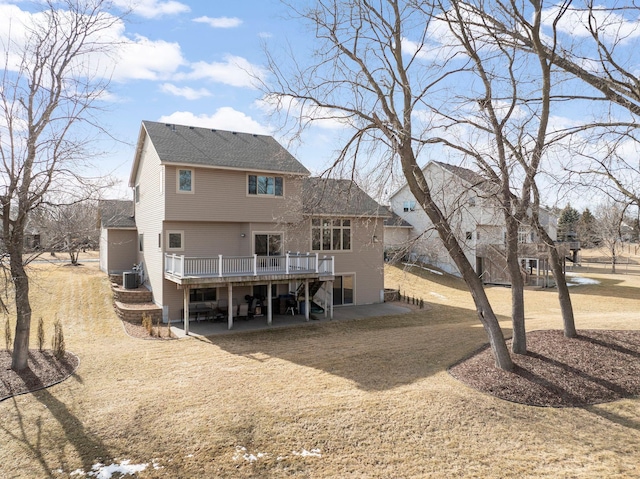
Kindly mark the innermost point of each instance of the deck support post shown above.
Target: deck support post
(325, 286)
(331, 301)
(185, 302)
(269, 304)
(230, 303)
(306, 299)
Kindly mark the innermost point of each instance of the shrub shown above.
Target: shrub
(41, 335)
(147, 323)
(158, 331)
(58, 340)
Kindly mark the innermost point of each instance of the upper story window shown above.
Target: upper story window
(329, 234)
(185, 181)
(408, 206)
(471, 200)
(265, 185)
(136, 193)
(175, 240)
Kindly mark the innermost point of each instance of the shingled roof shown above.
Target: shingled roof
(218, 148)
(470, 176)
(327, 196)
(116, 214)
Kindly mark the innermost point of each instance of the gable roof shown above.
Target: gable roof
(332, 197)
(116, 214)
(395, 221)
(470, 176)
(473, 179)
(194, 146)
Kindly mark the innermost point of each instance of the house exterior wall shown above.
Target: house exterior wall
(397, 237)
(117, 250)
(221, 195)
(465, 207)
(151, 183)
(219, 217)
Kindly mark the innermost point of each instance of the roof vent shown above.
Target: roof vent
(191, 128)
(233, 133)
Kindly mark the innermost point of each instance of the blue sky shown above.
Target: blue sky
(209, 45)
(186, 62)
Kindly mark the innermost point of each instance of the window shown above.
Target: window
(185, 181)
(203, 294)
(175, 240)
(471, 201)
(137, 193)
(141, 242)
(265, 185)
(268, 244)
(469, 235)
(159, 240)
(409, 206)
(330, 234)
(523, 236)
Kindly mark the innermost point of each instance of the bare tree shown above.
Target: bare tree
(594, 44)
(49, 90)
(71, 228)
(609, 219)
(362, 75)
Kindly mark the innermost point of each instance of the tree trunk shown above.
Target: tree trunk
(563, 293)
(23, 310)
(519, 340)
(420, 190)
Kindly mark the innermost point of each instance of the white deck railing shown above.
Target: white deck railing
(223, 266)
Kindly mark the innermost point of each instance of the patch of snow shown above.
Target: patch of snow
(574, 280)
(122, 469)
(305, 453)
(100, 471)
(426, 269)
(437, 295)
(241, 453)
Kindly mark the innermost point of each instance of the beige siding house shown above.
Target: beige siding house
(226, 221)
(468, 200)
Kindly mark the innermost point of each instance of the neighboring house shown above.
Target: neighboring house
(222, 216)
(118, 236)
(468, 201)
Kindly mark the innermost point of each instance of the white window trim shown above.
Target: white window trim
(167, 242)
(193, 181)
(352, 227)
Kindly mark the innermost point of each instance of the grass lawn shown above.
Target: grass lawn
(366, 399)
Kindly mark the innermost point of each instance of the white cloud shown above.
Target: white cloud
(325, 118)
(152, 8)
(225, 118)
(219, 22)
(234, 71)
(612, 26)
(131, 58)
(185, 92)
(144, 59)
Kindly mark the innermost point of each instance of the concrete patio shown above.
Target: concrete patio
(210, 328)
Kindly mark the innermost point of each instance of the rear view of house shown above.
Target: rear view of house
(224, 218)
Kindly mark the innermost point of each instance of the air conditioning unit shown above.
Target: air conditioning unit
(130, 280)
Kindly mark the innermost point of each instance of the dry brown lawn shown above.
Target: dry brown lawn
(369, 398)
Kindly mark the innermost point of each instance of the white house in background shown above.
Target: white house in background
(468, 201)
